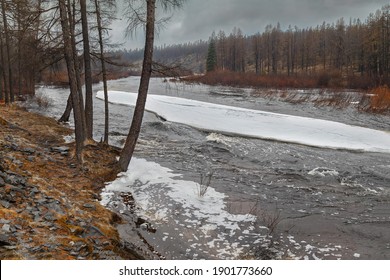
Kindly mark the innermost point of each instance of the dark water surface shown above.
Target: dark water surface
(306, 202)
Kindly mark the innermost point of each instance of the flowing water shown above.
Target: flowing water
(279, 200)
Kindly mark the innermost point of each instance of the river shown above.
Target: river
(279, 200)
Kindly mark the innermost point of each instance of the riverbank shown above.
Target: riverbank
(331, 204)
(333, 89)
(49, 206)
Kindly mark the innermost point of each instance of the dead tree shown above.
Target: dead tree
(131, 140)
(79, 117)
(87, 70)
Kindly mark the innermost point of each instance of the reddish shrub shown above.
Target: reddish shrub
(379, 99)
(250, 79)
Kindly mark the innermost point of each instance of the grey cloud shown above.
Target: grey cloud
(199, 18)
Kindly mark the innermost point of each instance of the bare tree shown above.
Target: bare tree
(135, 128)
(103, 65)
(4, 76)
(7, 53)
(135, 21)
(72, 73)
(87, 70)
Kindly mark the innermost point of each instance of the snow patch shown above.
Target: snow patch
(236, 121)
(323, 172)
(217, 138)
(69, 139)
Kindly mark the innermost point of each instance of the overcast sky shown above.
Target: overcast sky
(199, 18)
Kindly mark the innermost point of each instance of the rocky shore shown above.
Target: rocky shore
(49, 205)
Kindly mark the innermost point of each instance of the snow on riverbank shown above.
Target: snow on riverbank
(259, 124)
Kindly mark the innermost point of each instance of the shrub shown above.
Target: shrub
(204, 184)
(42, 101)
(250, 79)
(379, 100)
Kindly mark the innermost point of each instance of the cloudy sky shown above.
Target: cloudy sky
(199, 18)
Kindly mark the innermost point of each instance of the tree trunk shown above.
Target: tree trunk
(1, 72)
(20, 38)
(104, 72)
(8, 53)
(4, 75)
(135, 128)
(71, 66)
(68, 110)
(88, 71)
(72, 27)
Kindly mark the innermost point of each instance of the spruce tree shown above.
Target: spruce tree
(211, 63)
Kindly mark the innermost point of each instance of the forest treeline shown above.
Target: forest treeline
(189, 56)
(354, 53)
(353, 49)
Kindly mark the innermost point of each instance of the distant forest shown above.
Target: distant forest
(191, 56)
(355, 53)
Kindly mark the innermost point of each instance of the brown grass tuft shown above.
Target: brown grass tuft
(379, 101)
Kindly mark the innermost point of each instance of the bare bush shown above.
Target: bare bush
(42, 100)
(204, 183)
(268, 249)
(268, 219)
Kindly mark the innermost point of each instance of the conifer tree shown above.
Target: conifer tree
(211, 63)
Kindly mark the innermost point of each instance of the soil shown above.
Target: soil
(49, 204)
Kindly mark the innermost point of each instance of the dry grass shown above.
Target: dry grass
(330, 86)
(379, 100)
(333, 79)
(56, 176)
(319, 97)
(250, 79)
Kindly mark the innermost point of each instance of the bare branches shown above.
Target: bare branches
(111, 61)
(164, 70)
(136, 14)
(169, 5)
